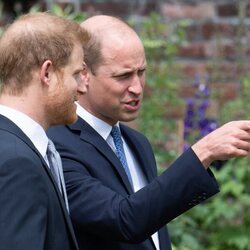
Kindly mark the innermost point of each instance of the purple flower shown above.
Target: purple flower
(204, 105)
(195, 116)
(188, 123)
(203, 88)
(189, 102)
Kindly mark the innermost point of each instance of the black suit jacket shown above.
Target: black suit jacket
(32, 213)
(106, 214)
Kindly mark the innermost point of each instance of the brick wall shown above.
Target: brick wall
(218, 39)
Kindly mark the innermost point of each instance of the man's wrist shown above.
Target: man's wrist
(203, 154)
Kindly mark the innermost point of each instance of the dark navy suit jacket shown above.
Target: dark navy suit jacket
(106, 214)
(32, 212)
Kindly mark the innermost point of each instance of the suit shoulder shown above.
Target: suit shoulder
(14, 147)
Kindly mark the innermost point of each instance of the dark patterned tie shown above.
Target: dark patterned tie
(55, 165)
(115, 133)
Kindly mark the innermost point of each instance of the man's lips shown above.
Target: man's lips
(133, 104)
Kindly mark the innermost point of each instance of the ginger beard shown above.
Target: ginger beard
(60, 106)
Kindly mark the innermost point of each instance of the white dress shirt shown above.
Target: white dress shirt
(32, 129)
(104, 129)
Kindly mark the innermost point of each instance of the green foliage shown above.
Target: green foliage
(160, 39)
(66, 12)
(69, 13)
(1, 14)
(238, 108)
(222, 222)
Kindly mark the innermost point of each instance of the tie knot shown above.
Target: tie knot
(51, 147)
(115, 133)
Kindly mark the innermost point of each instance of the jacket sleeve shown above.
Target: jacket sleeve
(97, 207)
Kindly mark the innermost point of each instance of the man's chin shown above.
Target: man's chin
(128, 119)
(131, 117)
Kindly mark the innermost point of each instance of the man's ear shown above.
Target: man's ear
(85, 75)
(46, 72)
(84, 83)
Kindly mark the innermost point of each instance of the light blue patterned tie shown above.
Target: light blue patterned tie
(115, 133)
(55, 165)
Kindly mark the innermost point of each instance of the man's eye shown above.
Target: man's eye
(141, 72)
(78, 75)
(124, 76)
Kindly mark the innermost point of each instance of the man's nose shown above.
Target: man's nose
(136, 86)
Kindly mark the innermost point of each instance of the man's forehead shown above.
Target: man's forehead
(122, 67)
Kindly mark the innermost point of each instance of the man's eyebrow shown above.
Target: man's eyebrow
(122, 72)
(77, 70)
(128, 71)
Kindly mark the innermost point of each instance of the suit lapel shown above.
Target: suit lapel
(140, 153)
(88, 134)
(8, 125)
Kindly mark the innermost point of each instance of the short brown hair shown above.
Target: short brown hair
(32, 39)
(92, 54)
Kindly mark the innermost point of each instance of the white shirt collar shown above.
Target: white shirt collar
(32, 129)
(99, 125)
